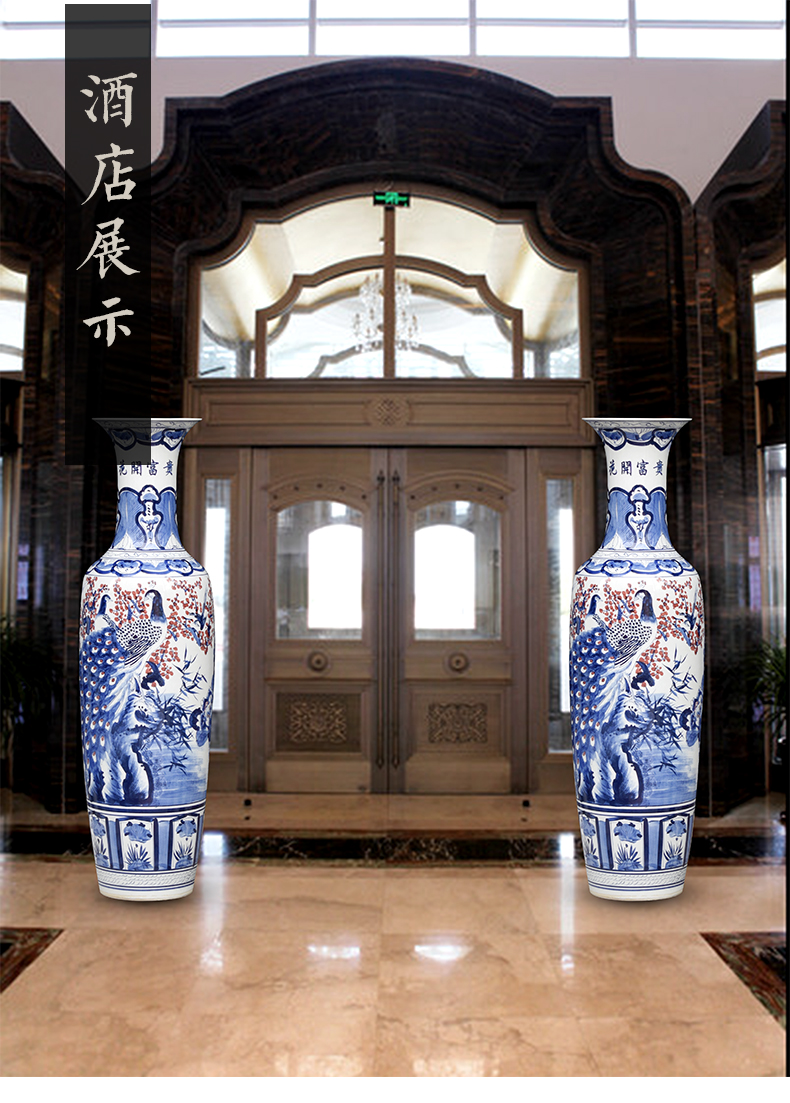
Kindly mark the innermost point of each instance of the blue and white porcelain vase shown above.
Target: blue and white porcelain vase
(146, 677)
(636, 677)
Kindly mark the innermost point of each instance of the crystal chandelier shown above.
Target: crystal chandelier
(369, 318)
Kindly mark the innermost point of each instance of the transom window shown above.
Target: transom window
(352, 290)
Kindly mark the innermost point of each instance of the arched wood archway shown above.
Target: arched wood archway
(494, 140)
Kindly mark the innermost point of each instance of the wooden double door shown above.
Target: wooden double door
(387, 645)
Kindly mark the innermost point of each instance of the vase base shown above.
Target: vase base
(649, 884)
(636, 895)
(148, 885)
(146, 895)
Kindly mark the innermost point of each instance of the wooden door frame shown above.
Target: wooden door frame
(551, 771)
(229, 769)
(544, 417)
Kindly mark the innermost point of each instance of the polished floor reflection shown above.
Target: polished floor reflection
(453, 969)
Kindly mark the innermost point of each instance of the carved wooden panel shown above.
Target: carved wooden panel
(317, 722)
(458, 722)
(472, 412)
(448, 722)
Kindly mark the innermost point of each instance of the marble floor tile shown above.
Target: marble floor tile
(482, 1047)
(55, 1045)
(423, 900)
(284, 994)
(276, 899)
(124, 969)
(480, 976)
(561, 900)
(339, 1044)
(687, 1045)
(181, 1041)
(26, 890)
(285, 979)
(674, 975)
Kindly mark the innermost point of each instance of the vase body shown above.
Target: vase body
(636, 677)
(146, 678)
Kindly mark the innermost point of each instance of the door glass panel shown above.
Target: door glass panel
(216, 560)
(561, 568)
(319, 571)
(457, 551)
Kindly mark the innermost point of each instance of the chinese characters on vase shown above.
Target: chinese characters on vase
(636, 678)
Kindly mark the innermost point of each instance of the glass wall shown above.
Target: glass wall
(769, 297)
(774, 463)
(216, 560)
(13, 316)
(561, 569)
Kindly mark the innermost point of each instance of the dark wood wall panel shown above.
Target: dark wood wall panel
(31, 232)
(741, 224)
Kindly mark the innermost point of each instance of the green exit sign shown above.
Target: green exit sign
(391, 198)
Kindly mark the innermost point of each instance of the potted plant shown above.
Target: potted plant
(767, 680)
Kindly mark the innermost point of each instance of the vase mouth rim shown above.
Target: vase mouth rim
(136, 422)
(637, 422)
(145, 426)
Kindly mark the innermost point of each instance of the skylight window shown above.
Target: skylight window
(693, 29)
(725, 29)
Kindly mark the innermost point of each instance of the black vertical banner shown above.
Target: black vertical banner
(107, 280)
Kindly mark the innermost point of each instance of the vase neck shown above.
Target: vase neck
(636, 466)
(147, 466)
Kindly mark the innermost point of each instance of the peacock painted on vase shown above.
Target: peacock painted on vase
(603, 662)
(133, 729)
